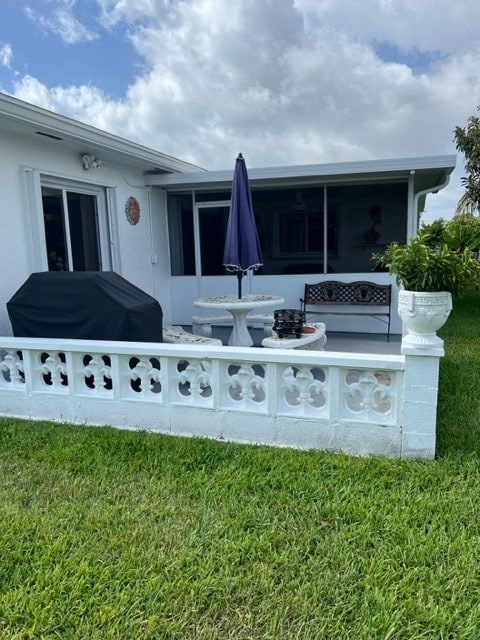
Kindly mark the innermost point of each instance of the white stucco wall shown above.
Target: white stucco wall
(13, 258)
(160, 254)
(48, 157)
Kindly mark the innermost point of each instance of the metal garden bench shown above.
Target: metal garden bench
(372, 299)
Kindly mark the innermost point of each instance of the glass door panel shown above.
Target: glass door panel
(71, 230)
(212, 222)
(82, 218)
(55, 235)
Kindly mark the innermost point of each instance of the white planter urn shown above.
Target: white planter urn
(423, 313)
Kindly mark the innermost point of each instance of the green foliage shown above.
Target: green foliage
(432, 234)
(441, 257)
(418, 266)
(467, 140)
(459, 233)
(463, 232)
(458, 427)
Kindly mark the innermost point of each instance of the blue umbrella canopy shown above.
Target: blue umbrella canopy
(242, 246)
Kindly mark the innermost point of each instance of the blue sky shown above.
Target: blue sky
(283, 81)
(420, 62)
(101, 57)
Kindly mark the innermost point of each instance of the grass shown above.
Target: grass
(459, 403)
(107, 534)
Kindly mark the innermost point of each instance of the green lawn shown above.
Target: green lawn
(107, 534)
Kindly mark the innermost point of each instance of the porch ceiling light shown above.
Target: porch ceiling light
(89, 161)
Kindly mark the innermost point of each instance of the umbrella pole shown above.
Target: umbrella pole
(239, 277)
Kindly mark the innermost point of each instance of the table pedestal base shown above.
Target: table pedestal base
(240, 309)
(240, 335)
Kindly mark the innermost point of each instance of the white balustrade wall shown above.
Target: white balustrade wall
(356, 403)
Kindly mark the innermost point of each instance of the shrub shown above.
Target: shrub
(439, 258)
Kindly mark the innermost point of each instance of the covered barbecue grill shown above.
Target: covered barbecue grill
(85, 305)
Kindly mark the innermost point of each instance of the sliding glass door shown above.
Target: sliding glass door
(211, 219)
(76, 230)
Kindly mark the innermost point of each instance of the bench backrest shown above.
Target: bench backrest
(359, 292)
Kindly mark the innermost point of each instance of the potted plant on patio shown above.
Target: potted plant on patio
(429, 272)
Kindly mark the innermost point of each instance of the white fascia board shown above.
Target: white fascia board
(302, 173)
(53, 124)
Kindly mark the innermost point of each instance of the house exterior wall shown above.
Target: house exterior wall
(140, 252)
(13, 258)
(134, 255)
(160, 258)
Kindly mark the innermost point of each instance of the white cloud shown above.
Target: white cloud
(6, 54)
(62, 22)
(113, 12)
(286, 81)
(430, 25)
(87, 104)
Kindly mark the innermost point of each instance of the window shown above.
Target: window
(302, 233)
(291, 225)
(71, 230)
(354, 204)
(69, 224)
(302, 230)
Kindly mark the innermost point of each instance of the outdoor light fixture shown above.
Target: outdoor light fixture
(89, 161)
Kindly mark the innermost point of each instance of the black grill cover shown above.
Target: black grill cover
(87, 305)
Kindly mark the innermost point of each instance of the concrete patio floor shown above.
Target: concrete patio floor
(336, 341)
(363, 343)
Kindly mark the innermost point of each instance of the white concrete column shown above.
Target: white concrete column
(419, 423)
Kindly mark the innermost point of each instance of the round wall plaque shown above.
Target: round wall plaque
(132, 210)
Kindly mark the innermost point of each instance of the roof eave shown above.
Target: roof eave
(302, 174)
(50, 123)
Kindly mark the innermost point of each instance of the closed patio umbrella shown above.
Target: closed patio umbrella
(242, 246)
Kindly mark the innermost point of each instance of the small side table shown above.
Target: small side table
(314, 341)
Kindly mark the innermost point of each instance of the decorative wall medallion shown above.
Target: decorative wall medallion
(132, 210)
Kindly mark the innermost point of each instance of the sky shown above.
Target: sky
(282, 81)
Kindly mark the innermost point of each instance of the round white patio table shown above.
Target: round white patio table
(239, 308)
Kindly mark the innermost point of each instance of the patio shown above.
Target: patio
(374, 343)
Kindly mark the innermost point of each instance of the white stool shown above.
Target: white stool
(202, 325)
